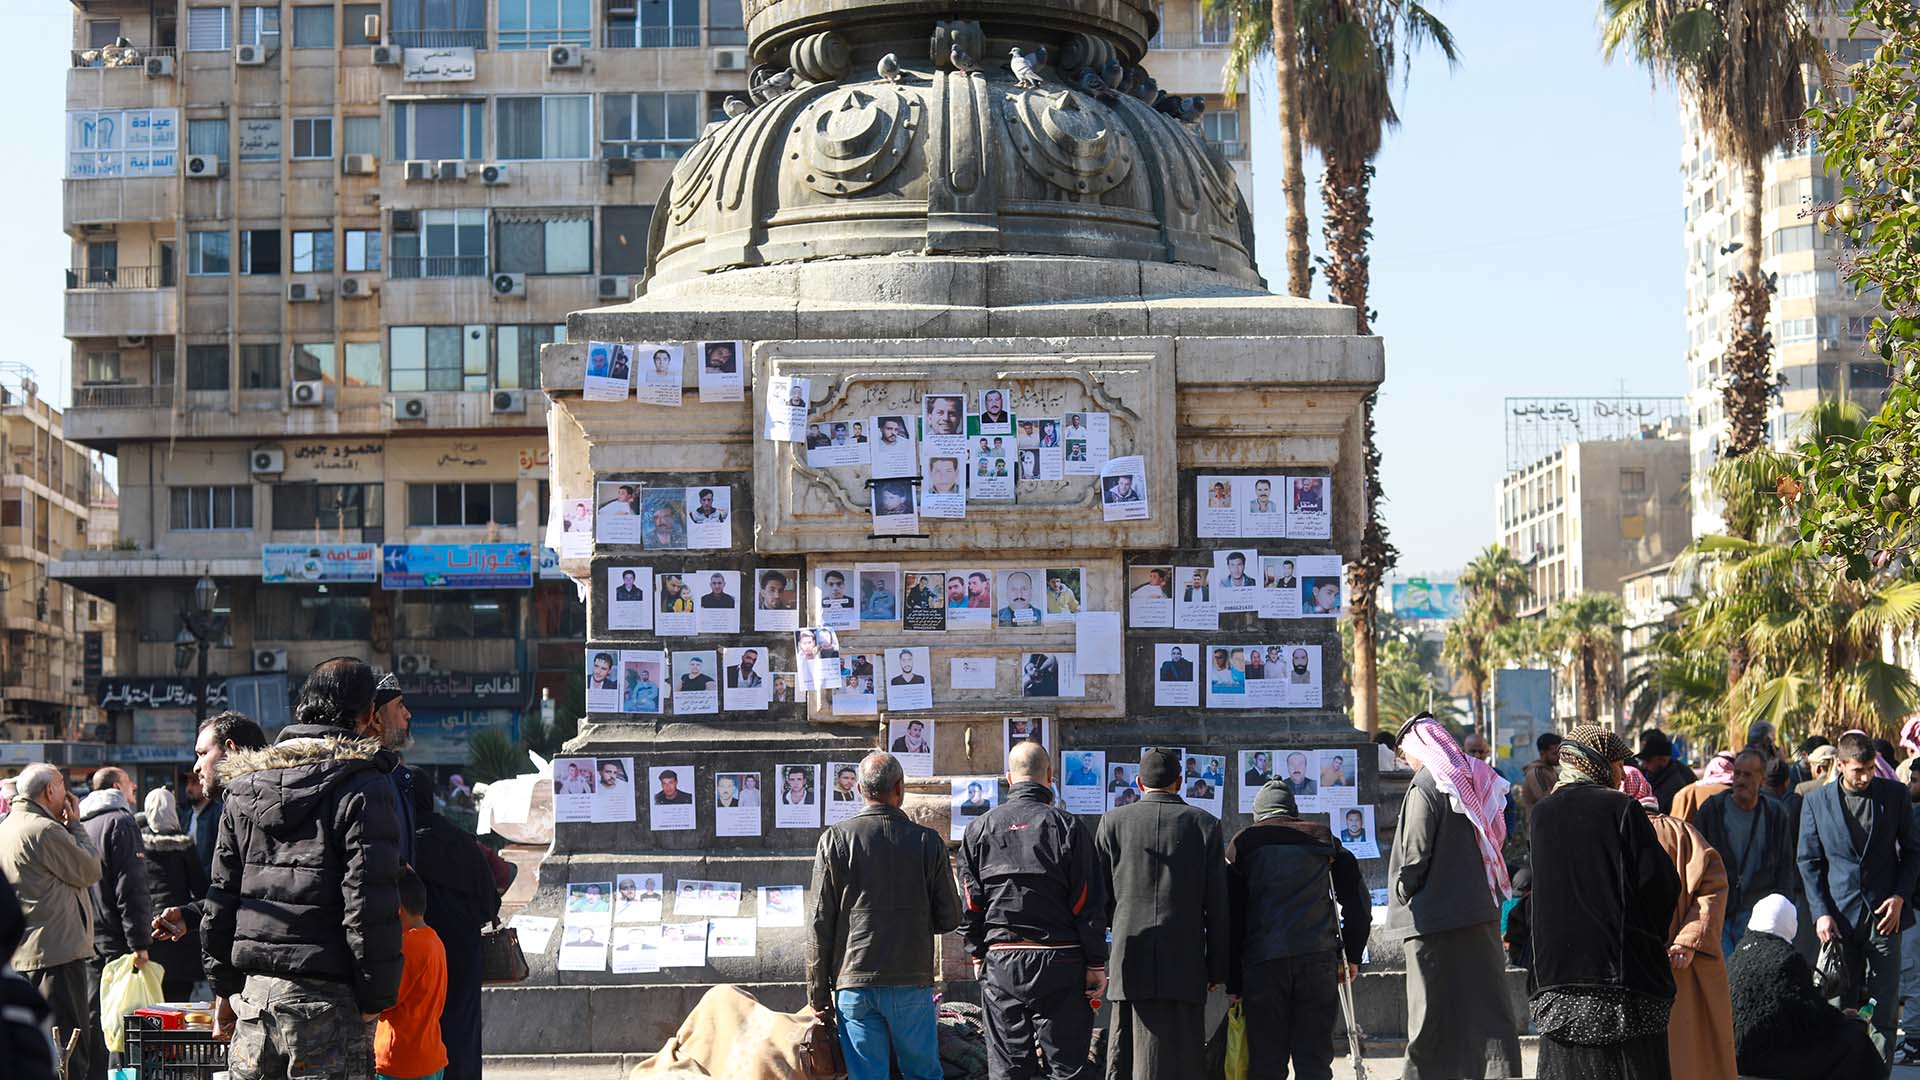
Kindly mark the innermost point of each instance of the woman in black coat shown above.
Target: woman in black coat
(1782, 1028)
(175, 878)
(461, 901)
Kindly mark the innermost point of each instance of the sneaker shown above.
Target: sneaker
(1908, 1052)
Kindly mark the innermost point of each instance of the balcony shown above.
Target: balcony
(1190, 40)
(122, 396)
(652, 37)
(440, 39)
(130, 58)
(1231, 149)
(402, 268)
(125, 301)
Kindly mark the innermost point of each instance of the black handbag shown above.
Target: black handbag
(501, 960)
(1830, 971)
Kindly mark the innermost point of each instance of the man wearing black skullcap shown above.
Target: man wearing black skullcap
(392, 723)
(1166, 877)
(1665, 775)
(1284, 959)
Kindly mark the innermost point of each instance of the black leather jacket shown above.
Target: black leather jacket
(1028, 874)
(882, 889)
(1281, 877)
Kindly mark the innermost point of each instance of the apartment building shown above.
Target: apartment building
(316, 248)
(1189, 56)
(58, 640)
(1819, 322)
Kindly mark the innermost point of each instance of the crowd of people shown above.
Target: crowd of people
(311, 883)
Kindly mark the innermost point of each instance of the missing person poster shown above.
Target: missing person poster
(971, 797)
(879, 586)
(1038, 441)
(1261, 501)
(858, 694)
(995, 416)
(736, 804)
(1174, 682)
(637, 898)
(590, 903)
(730, 937)
(776, 599)
(1016, 589)
(1205, 782)
(816, 658)
(973, 673)
(1015, 730)
(1308, 516)
(895, 511)
(636, 950)
(717, 610)
(575, 520)
(1083, 781)
(1194, 607)
(670, 799)
(908, 685)
(1214, 514)
(583, 947)
(1302, 675)
(683, 944)
(1084, 438)
(720, 376)
(787, 398)
(1150, 597)
(1296, 768)
(1122, 789)
(843, 791)
(695, 690)
(1225, 674)
(975, 610)
(603, 688)
(1235, 584)
(1256, 769)
(943, 415)
(944, 495)
(1339, 777)
(1123, 489)
(749, 683)
(1279, 587)
(834, 602)
(609, 373)
(663, 519)
(990, 468)
(1353, 826)
(709, 516)
(911, 741)
(573, 786)
(673, 607)
(696, 897)
(1321, 587)
(892, 448)
(836, 443)
(798, 804)
(1065, 585)
(613, 793)
(629, 597)
(783, 905)
(925, 609)
(616, 512)
(662, 368)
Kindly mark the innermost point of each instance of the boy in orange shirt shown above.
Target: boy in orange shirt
(406, 1045)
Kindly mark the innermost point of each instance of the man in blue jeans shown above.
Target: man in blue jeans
(882, 891)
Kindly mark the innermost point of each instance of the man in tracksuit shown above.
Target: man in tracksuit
(1284, 959)
(1035, 926)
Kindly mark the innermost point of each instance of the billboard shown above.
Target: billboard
(1422, 598)
(457, 566)
(319, 564)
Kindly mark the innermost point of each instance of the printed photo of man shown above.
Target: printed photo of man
(944, 414)
(670, 793)
(746, 673)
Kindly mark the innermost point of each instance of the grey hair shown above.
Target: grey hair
(880, 775)
(34, 780)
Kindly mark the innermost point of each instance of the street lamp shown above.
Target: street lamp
(201, 625)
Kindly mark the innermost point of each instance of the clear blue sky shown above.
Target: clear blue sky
(1526, 242)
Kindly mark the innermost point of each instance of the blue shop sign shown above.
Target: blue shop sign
(457, 566)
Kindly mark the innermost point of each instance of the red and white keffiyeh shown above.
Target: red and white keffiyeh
(1719, 770)
(1634, 783)
(1471, 787)
(1910, 733)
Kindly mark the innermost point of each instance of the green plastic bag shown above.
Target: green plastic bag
(1237, 1056)
(122, 990)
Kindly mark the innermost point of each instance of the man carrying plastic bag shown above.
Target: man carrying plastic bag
(124, 988)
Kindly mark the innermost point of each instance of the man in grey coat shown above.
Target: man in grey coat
(1166, 872)
(47, 855)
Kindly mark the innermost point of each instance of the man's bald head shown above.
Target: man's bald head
(1029, 761)
(110, 777)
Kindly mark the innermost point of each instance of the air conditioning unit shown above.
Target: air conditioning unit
(405, 221)
(419, 170)
(269, 659)
(159, 67)
(412, 408)
(359, 164)
(734, 59)
(249, 55)
(510, 285)
(386, 55)
(133, 341)
(203, 167)
(509, 401)
(267, 462)
(308, 393)
(493, 174)
(304, 292)
(414, 664)
(616, 287)
(565, 57)
(451, 169)
(358, 288)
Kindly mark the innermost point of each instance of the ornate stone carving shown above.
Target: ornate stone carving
(1061, 137)
(960, 32)
(820, 57)
(855, 138)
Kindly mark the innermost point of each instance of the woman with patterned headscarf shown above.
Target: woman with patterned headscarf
(1700, 1036)
(1604, 893)
(1445, 882)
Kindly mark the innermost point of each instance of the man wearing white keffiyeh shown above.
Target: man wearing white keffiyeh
(1445, 880)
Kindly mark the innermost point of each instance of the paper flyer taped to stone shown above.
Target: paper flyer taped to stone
(843, 791)
(1204, 781)
(1015, 730)
(1256, 768)
(1339, 777)
(1194, 607)
(1353, 827)
(835, 605)
(1017, 590)
(1083, 786)
(990, 468)
(1121, 789)
(924, 604)
(1308, 510)
(609, 371)
(674, 611)
(787, 404)
(908, 679)
(570, 528)
(1225, 676)
(736, 804)
(1123, 489)
(731, 937)
(1150, 597)
(1236, 582)
(943, 414)
(817, 658)
(536, 932)
(1279, 587)
(1262, 504)
(797, 805)
(663, 519)
(1174, 674)
(721, 378)
(971, 673)
(1322, 587)
(1297, 769)
(1038, 441)
(836, 444)
(1041, 674)
(717, 609)
(683, 944)
(603, 689)
(971, 797)
(710, 516)
(1302, 676)
(878, 586)
(911, 741)
(661, 373)
(638, 898)
(629, 597)
(749, 685)
(697, 897)
(636, 949)
(670, 791)
(976, 612)
(894, 510)
(1065, 587)
(944, 491)
(776, 599)
(782, 905)
(573, 784)
(858, 694)
(613, 794)
(1214, 512)
(892, 446)
(1097, 643)
(695, 690)
(996, 413)
(1085, 441)
(590, 903)
(616, 514)
(583, 947)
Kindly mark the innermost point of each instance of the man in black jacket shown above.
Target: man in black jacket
(882, 890)
(1035, 925)
(121, 911)
(302, 933)
(1859, 859)
(1166, 877)
(1284, 963)
(461, 901)
(1755, 839)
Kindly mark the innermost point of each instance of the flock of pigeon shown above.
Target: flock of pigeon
(1107, 83)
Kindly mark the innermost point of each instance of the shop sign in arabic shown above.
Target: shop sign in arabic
(335, 457)
(457, 566)
(319, 563)
(451, 690)
(162, 693)
(437, 65)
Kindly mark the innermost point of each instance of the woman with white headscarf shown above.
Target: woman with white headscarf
(1782, 1028)
(1446, 880)
(175, 878)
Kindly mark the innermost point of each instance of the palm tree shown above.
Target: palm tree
(1586, 629)
(1350, 54)
(1742, 63)
(1270, 32)
(1464, 647)
(1501, 579)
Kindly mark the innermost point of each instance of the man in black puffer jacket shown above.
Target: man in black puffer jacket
(302, 932)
